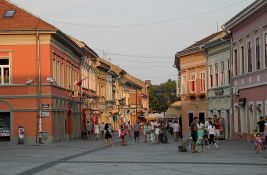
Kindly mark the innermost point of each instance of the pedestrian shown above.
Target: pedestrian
(123, 135)
(265, 133)
(145, 131)
(136, 132)
(212, 131)
(153, 137)
(149, 131)
(194, 129)
(129, 129)
(217, 128)
(88, 130)
(102, 129)
(157, 131)
(261, 125)
(108, 134)
(97, 131)
(171, 127)
(176, 129)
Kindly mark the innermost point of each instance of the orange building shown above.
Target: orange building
(191, 64)
(39, 65)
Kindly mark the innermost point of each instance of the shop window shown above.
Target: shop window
(4, 71)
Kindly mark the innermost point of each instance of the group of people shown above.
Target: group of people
(153, 131)
(105, 130)
(205, 133)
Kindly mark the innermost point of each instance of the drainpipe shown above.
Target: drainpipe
(230, 127)
(39, 100)
(136, 104)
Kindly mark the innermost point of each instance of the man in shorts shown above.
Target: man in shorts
(194, 129)
(136, 132)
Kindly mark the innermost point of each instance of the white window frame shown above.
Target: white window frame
(203, 81)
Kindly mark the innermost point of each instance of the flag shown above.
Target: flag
(79, 83)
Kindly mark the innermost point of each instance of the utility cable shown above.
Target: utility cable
(153, 23)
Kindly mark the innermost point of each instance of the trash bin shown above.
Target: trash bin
(21, 135)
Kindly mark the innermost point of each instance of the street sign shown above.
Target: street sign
(45, 105)
(45, 114)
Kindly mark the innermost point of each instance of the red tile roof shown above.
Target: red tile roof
(22, 19)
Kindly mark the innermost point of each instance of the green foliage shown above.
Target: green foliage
(161, 103)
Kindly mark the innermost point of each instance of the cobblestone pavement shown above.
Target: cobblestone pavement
(93, 157)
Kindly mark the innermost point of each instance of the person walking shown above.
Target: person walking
(212, 131)
(129, 129)
(102, 129)
(123, 135)
(97, 131)
(88, 130)
(194, 129)
(145, 132)
(108, 135)
(176, 129)
(217, 126)
(157, 131)
(149, 132)
(136, 132)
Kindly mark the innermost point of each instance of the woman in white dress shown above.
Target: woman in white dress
(97, 130)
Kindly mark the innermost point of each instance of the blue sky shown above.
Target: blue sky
(117, 28)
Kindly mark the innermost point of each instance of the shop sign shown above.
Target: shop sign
(45, 105)
(45, 114)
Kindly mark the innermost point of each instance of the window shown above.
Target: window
(265, 38)
(9, 13)
(258, 62)
(216, 74)
(202, 82)
(229, 71)
(235, 62)
(211, 78)
(222, 73)
(4, 71)
(242, 60)
(193, 82)
(249, 58)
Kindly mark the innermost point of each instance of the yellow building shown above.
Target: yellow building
(191, 64)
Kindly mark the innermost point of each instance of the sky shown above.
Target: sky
(141, 36)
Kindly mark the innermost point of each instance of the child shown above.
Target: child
(122, 136)
(259, 143)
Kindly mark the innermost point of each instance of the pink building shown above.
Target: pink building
(249, 61)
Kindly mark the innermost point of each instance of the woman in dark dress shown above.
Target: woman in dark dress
(108, 135)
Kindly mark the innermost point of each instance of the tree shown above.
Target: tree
(161, 103)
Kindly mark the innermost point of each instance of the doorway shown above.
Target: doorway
(191, 117)
(201, 116)
(5, 130)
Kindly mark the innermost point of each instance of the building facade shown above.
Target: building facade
(219, 81)
(249, 58)
(39, 65)
(192, 67)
